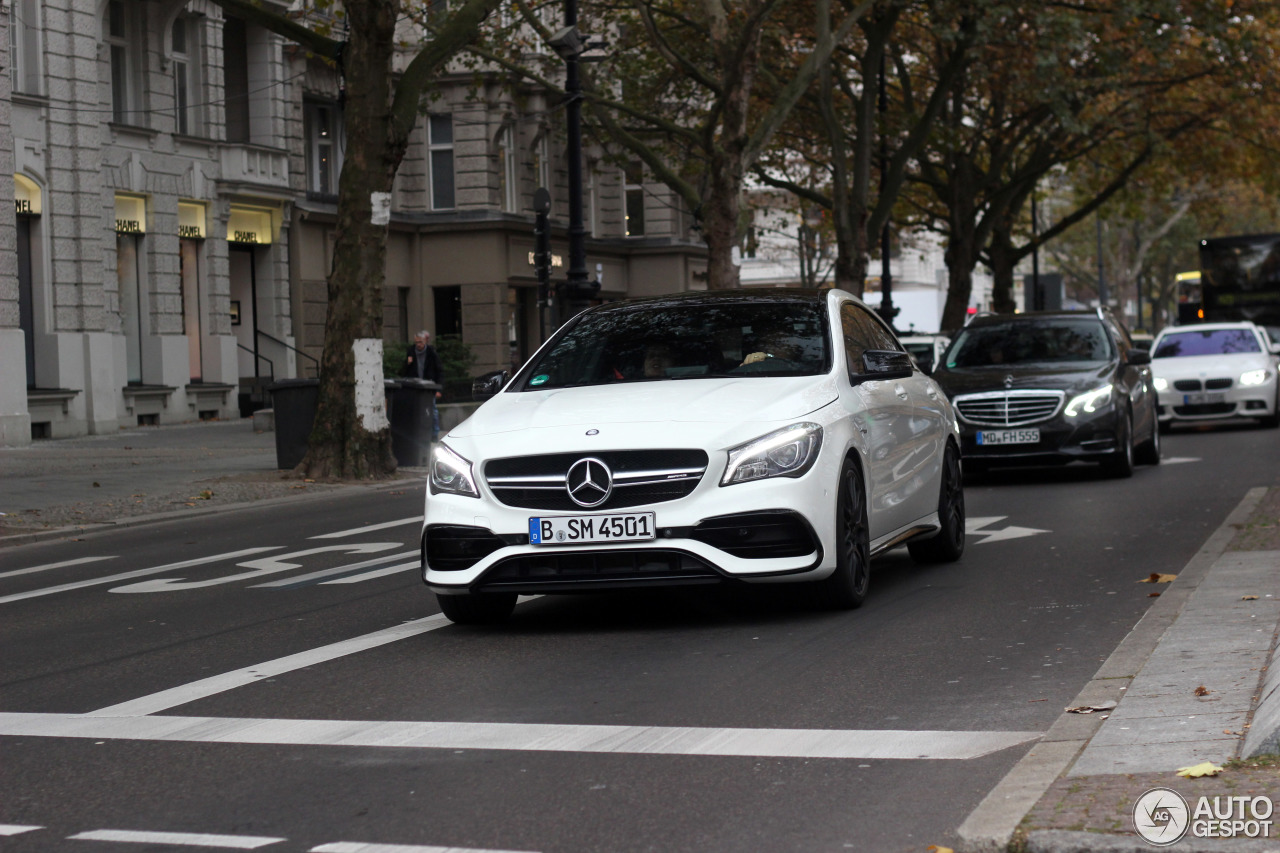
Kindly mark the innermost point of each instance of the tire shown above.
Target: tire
(947, 545)
(1148, 453)
(846, 587)
(477, 608)
(1120, 465)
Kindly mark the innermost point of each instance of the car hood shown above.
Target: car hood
(1075, 379)
(650, 404)
(1209, 366)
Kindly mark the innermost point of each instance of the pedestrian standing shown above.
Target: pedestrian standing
(424, 363)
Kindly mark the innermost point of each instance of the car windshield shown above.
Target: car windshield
(1207, 342)
(685, 341)
(1030, 342)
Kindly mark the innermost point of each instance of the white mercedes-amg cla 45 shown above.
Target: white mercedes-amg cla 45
(728, 437)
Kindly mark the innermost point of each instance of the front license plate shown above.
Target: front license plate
(582, 529)
(1203, 399)
(1009, 436)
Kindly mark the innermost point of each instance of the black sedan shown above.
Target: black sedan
(1050, 388)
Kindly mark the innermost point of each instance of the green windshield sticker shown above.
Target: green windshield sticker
(538, 380)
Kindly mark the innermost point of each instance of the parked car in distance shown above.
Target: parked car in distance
(1211, 371)
(1051, 388)
(733, 436)
(926, 350)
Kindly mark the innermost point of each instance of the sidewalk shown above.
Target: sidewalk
(1188, 685)
(51, 489)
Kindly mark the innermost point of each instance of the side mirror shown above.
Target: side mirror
(488, 385)
(885, 364)
(1138, 357)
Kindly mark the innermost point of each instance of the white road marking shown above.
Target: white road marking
(363, 847)
(15, 829)
(49, 566)
(248, 675)
(529, 737)
(369, 528)
(138, 573)
(974, 527)
(1179, 460)
(274, 564)
(185, 839)
(302, 580)
(377, 573)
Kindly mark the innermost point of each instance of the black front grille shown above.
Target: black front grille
(597, 569)
(1206, 409)
(639, 477)
(1216, 384)
(1187, 384)
(758, 535)
(1010, 408)
(453, 548)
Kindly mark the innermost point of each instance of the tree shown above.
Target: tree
(351, 439)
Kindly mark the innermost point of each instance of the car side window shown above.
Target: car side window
(862, 332)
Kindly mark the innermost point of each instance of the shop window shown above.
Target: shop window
(440, 151)
(192, 316)
(448, 305)
(129, 279)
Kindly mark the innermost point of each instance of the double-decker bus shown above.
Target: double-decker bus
(1240, 279)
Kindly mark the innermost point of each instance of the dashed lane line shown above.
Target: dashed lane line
(64, 564)
(182, 839)
(16, 829)
(875, 744)
(376, 573)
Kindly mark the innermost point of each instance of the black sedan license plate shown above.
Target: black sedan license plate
(592, 529)
(1009, 436)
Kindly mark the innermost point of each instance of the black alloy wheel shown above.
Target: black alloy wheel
(1120, 465)
(477, 608)
(947, 545)
(846, 587)
(1148, 453)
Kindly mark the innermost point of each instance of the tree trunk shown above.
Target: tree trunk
(345, 443)
(720, 233)
(1003, 258)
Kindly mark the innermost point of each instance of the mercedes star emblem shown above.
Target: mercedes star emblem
(1008, 381)
(589, 482)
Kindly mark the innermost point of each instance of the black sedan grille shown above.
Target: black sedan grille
(639, 477)
(1009, 408)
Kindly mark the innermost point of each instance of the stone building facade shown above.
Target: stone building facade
(173, 173)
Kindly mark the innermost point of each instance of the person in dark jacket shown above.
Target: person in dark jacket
(423, 362)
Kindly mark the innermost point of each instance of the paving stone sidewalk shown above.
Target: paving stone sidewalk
(1089, 809)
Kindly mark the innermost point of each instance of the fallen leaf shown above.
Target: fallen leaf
(1206, 768)
(190, 504)
(95, 485)
(1089, 709)
(936, 849)
(206, 495)
(1153, 595)
(307, 481)
(1248, 598)
(1202, 691)
(1156, 577)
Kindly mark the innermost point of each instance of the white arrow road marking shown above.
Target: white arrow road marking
(14, 829)
(1179, 460)
(305, 580)
(265, 566)
(886, 744)
(376, 573)
(185, 839)
(973, 527)
(49, 566)
(369, 528)
(362, 847)
(138, 573)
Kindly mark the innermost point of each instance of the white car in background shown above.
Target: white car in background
(723, 437)
(1212, 371)
(926, 350)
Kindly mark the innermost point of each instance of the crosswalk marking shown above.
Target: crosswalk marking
(16, 829)
(369, 528)
(137, 573)
(875, 744)
(247, 675)
(184, 839)
(64, 564)
(363, 847)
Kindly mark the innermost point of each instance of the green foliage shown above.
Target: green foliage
(393, 358)
(456, 358)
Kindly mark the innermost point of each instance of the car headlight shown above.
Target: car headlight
(1098, 398)
(788, 452)
(450, 473)
(1255, 377)
(1160, 383)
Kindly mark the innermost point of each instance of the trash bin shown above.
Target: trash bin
(294, 402)
(411, 420)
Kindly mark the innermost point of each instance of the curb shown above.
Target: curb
(1062, 841)
(990, 827)
(87, 530)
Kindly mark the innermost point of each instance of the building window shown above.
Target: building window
(440, 149)
(235, 76)
(129, 281)
(126, 98)
(324, 147)
(24, 45)
(192, 314)
(634, 191)
(186, 87)
(507, 181)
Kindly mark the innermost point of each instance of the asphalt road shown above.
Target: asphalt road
(670, 721)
